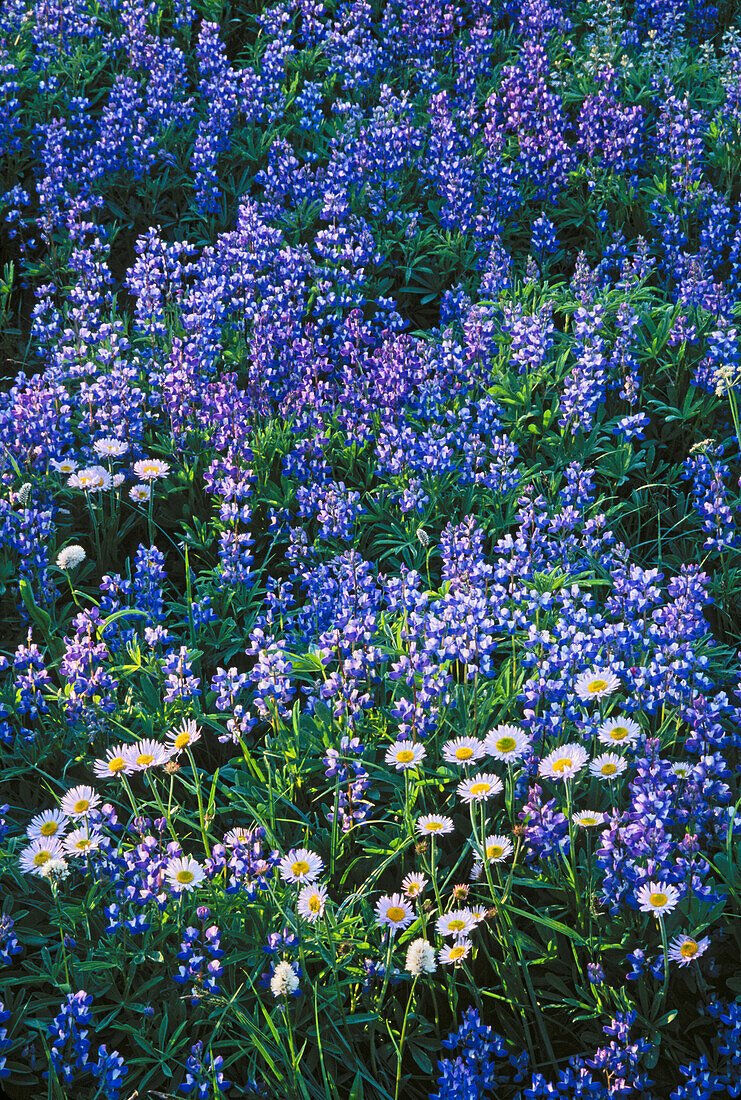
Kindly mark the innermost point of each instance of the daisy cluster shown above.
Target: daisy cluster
(369, 495)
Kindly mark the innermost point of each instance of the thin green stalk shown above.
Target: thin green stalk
(402, 1036)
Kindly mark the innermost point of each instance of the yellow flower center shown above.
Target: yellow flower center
(116, 764)
(49, 828)
(688, 949)
(588, 821)
(608, 769)
(480, 788)
(562, 764)
(144, 758)
(596, 685)
(657, 900)
(395, 913)
(618, 733)
(82, 805)
(300, 867)
(184, 876)
(457, 953)
(182, 740)
(494, 851)
(506, 744)
(82, 845)
(463, 752)
(456, 925)
(40, 858)
(315, 903)
(433, 826)
(404, 756)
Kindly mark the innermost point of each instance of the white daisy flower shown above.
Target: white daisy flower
(463, 751)
(478, 913)
(301, 865)
(64, 465)
(394, 912)
(619, 731)
(114, 764)
(240, 835)
(146, 754)
(140, 493)
(434, 825)
(507, 743)
(682, 769)
(108, 447)
(420, 958)
(596, 684)
(69, 557)
(47, 826)
(588, 819)
(312, 899)
(657, 898)
(39, 852)
(80, 842)
(405, 754)
(93, 479)
(151, 469)
(497, 848)
(458, 922)
(184, 874)
(684, 950)
(607, 766)
(414, 884)
(186, 734)
(456, 953)
(480, 788)
(564, 762)
(79, 802)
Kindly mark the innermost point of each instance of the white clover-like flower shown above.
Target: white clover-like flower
(405, 754)
(564, 762)
(480, 788)
(657, 898)
(301, 865)
(507, 743)
(151, 469)
(55, 869)
(420, 958)
(619, 731)
(607, 766)
(596, 684)
(69, 557)
(284, 981)
(184, 874)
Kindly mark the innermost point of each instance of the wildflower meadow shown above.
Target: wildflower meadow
(370, 569)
